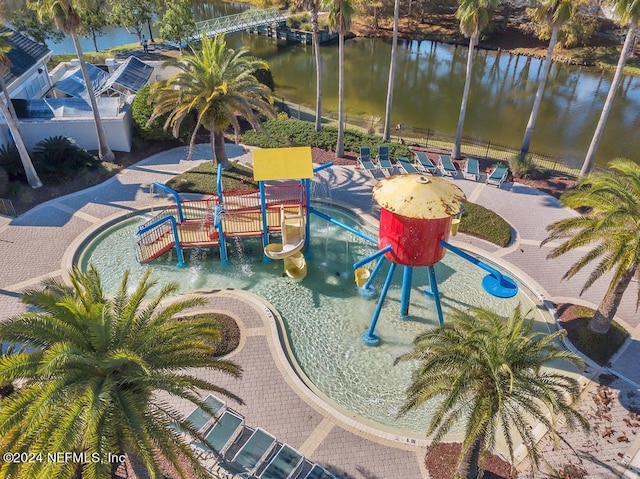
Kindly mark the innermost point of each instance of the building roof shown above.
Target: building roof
(282, 163)
(24, 54)
(74, 85)
(50, 108)
(132, 75)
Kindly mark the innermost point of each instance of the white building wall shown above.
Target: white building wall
(82, 130)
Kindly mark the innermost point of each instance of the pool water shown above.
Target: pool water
(323, 314)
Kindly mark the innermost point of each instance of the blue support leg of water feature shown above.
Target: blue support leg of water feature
(263, 214)
(369, 337)
(407, 275)
(307, 226)
(433, 284)
(219, 184)
(367, 291)
(495, 283)
(176, 195)
(373, 256)
(342, 225)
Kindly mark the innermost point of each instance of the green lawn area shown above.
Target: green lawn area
(482, 223)
(202, 179)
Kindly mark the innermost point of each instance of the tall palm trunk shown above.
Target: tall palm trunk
(12, 123)
(469, 463)
(218, 149)
(104, 152)
(528, 133)
(340, 143)
(392, 72)
(603, 317)
(606, 109)
(316, 52)
(465, 96)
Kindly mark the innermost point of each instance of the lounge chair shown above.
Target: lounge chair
(446, 166)
(284, 464)
(364, 160)
(406, 165)
(424, 163)
(384, 162)
(318, 472)
(199, 418)
(472, 169)
(497, 176)
(251, 455)
(224, 432)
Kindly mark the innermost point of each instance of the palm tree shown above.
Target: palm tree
(474, 16)
(628, 11)
(66, 16)
(313, 6)
(340, 13)
(392, 72)
(553, 13)
(90, 372)
(218, 84)
(10, 116)
(487, 373)
(611, 226)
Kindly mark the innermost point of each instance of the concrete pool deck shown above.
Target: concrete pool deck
(33, 246)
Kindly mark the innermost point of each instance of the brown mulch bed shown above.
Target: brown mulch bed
(229, 331)
(442, 458)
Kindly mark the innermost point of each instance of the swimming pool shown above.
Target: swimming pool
(323, 315)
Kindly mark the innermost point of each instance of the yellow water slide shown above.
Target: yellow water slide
(293, 237)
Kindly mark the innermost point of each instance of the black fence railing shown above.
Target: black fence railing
(6, 208)
(428, 138)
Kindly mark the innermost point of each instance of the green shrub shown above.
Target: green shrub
(286, 132)
(10, 161)
(596, 346)
(264, 76)
(296, 21)
(4, 182)
(524, 167)
(141, 111)
(58, 158)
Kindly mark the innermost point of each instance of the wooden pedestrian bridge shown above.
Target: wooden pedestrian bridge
(251, 18)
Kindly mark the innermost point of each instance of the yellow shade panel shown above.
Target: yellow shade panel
(282, 163)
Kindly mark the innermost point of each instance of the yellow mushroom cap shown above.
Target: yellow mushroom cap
(419, 196)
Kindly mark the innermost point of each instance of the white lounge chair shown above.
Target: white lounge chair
(472, 169)
(423, 163)
(446, 166)
(497, 176)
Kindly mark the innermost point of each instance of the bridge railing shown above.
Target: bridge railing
(240, 21)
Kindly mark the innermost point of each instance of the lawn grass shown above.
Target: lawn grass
(202, 179)
(598, 347)
(482, 223)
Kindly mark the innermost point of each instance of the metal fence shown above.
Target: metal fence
(426, 137)
(6, 208)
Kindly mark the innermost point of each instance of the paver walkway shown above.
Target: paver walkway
(32, 247)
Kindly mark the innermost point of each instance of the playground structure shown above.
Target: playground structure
(418, 214)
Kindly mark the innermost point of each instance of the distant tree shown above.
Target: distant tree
(66, 14)
(25, 20)
(392, 70)
(474, 16)
(94, 21)
(314, 6)
(131, 15)
(553, 14)
(628, 12)
(177, 23)
(11, 118)
(340, 13)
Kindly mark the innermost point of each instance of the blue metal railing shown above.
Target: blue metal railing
(252, 17)
(176, 195)
(176, 238)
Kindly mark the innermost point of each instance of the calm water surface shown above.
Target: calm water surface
(428, 90)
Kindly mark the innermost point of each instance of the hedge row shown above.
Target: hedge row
(282, 133)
